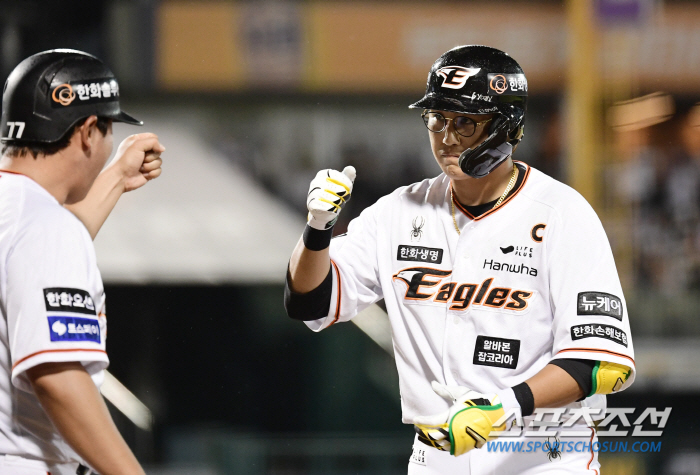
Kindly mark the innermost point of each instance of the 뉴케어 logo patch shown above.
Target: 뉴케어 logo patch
(599, 303)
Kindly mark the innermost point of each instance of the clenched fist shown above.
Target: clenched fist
(328, 193)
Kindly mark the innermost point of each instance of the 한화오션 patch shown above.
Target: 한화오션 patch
(63, 299)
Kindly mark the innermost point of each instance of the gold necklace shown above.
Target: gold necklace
(511, 183)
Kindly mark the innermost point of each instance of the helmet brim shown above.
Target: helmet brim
(126, 118)
(449, 104)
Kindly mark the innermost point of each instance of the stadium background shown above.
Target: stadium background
(251, 98)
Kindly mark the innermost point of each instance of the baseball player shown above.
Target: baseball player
(499, 281)
(57, 112)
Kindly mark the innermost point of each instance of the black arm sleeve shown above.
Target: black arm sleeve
(311, 305)
(580, 370)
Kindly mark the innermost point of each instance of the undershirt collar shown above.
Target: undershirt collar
(478, 210)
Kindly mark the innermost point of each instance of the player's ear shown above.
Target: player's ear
(86, 132)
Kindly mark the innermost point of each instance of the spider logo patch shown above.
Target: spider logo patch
(417, 231)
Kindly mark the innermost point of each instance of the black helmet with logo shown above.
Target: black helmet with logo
(47, 93)
(480, 80)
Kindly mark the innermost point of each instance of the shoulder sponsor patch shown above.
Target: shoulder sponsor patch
(65, 328)
(499, 352)
(599, 303)
(608, 332)
(419, 254)
(62, 299)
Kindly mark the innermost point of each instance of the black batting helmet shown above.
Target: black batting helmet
(480, 80)
(47, 93)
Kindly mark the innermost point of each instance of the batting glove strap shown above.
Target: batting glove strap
(437, 437)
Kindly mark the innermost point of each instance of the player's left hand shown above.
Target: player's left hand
(466, 425)
(138, 160)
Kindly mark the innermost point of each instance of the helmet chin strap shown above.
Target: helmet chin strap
(482, 160)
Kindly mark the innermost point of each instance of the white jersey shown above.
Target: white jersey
(52, 303)
(527, 282)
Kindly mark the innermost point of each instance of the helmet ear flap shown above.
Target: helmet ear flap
(495, 123)
(480, 161)
(516, 135)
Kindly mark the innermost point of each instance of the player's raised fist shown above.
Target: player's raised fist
(466, 425)
(138, 160)
(328, 193)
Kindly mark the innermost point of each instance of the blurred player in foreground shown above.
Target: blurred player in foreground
(499, 281)
(57, 113)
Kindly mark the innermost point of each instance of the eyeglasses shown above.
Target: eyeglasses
(464, 126)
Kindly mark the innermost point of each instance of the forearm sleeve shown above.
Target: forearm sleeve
(311, 305)
(580, 370)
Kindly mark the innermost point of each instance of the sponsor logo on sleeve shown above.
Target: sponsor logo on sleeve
(65, 328)
(61, 299)
(599, 303)
(608, 332)
(509, 84)
(419, 254)
(499, 352)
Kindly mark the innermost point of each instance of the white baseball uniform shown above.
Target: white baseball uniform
(52, 303)
(525, 283)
